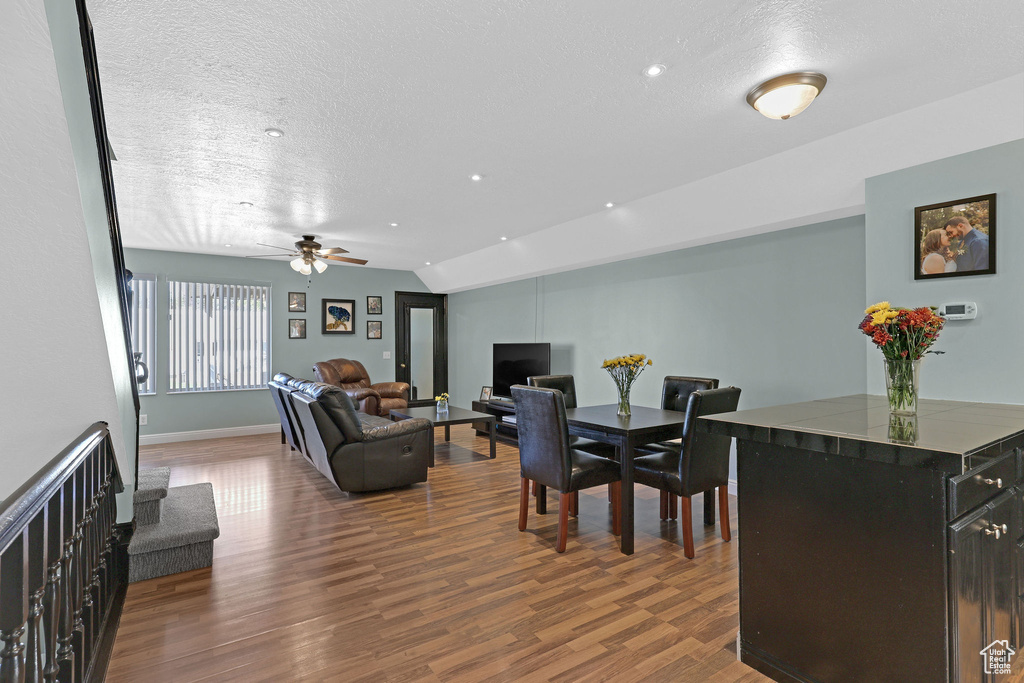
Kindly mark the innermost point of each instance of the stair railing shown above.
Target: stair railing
(59, 572)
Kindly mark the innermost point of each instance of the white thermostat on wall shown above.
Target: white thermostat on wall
(964, 310)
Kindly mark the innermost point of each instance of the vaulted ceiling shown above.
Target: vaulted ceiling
(388, 107)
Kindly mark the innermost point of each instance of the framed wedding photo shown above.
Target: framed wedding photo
(296, 302)
(955, 239)
(338, 316)
(296, 328)
(373, 329)
(374, 305)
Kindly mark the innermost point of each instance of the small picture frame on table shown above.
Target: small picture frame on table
(374, 329)
(374, 305)
(955, 239)
(296, 328)
(485, 393)
(296, 302)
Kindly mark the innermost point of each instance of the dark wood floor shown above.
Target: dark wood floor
(427, 583)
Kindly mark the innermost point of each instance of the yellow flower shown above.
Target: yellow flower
(880, 306)
(650, 362)
(879, 318)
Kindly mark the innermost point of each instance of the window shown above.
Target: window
(219, 336)
(143, 325)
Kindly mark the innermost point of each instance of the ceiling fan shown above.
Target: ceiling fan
(308, 254)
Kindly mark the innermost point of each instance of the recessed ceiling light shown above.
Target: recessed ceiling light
(476, 177)
(394, 225)
(503, 239)
(609, 205)
(227, 245)
(785, 96)
(428, 263)
(245, 203)
(274, 132)
(655, 70)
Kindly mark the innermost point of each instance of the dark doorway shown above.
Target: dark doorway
(422, 354)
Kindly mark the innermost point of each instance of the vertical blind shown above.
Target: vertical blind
(143, 324)
(219, 336)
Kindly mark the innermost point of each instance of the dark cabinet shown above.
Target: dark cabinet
(982, 556)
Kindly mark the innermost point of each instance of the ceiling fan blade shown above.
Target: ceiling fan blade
(269, 255)
(332, 250)
(346, 259)
(274, 246)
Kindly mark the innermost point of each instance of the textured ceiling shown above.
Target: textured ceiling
(389, 106)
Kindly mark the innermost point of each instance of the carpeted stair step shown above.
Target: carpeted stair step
(182, 541)
(152, 489)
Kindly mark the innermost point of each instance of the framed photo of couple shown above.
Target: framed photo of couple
(955, 239)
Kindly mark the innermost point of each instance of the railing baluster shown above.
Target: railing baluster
(13, 608)
(51, 616)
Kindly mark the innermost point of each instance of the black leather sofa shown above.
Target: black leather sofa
(356, 451)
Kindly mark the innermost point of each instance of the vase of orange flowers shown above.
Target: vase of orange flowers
(904, 336)
(624, 371)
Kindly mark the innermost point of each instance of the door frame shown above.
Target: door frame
(404, 302)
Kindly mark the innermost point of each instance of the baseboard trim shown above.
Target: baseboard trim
(171, 437)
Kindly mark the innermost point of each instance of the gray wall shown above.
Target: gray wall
(169, 413)
(983, 359)
(774, 314)
(52, 311)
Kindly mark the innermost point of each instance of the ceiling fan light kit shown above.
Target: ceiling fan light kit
(308, 255)
(786, 96)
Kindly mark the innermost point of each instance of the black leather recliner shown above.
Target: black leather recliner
(356, 451)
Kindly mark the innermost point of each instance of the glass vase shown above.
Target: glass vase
(442, 406)
(623, 410)
(901, 385)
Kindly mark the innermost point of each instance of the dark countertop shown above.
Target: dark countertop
(952, 436)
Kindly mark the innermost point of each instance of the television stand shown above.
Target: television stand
(499, 408)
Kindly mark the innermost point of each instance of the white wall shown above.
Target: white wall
(58, 374)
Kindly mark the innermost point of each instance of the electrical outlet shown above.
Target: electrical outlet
(387, 355)
(143, 420)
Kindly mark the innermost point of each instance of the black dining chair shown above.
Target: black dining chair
(567, 385)
(547, 457)
(700, 462)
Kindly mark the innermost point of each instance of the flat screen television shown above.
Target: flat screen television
(513, 363)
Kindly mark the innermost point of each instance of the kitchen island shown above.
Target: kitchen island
(879, 549)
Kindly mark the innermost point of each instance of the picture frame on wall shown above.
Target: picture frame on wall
(296, 302)
(486, 393)
(338, 316)
(374, 329)
(296, 328)
(374, 305)
(956, 238)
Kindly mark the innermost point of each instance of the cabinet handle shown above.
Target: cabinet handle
(997, 529)
(997, 482)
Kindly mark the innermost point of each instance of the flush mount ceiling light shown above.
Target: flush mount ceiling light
(274, 132)
(785, 96)
(245, 203)
(655, 70)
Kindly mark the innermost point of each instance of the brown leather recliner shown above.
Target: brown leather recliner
(373, 399)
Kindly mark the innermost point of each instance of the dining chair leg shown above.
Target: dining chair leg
(564, 501)
(524, 502)
(673, 506)
(723, 512)
(575, 509)
(687, 526)
(663, 505)
(533, 489)
(616, 490)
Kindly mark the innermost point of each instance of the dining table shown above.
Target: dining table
(627, 433)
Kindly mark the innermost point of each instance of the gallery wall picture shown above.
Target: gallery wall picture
(954, 239)
(374, 329)
(296, 328)
(338, 316)
(374, 305)
(296, 302)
